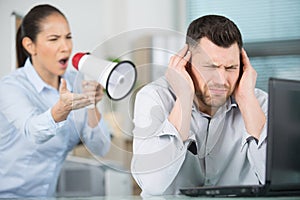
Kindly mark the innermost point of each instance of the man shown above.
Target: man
(204, 122)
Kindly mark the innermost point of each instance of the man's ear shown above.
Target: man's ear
(29, 46)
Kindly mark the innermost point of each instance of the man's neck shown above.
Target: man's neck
(209, 110)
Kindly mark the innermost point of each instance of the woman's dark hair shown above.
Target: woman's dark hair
(31, 26)
(218, 29)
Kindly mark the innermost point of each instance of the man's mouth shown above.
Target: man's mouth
(218, 91)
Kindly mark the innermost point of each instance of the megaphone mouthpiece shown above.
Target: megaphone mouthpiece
(76, 58)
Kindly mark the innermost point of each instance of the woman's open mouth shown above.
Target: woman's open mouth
(64, 62)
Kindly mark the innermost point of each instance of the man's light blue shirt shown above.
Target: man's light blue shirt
(32, 146)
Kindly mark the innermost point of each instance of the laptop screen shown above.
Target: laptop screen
(284, 131)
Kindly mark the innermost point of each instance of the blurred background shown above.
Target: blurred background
(148, 33)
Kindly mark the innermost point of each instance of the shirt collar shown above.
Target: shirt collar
(36, 80)
(33, 76)
(231, 103)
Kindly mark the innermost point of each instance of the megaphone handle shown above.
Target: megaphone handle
(91, 106)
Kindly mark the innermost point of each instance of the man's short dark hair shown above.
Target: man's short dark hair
(218, 29)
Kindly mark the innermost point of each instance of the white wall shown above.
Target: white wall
(93, 22)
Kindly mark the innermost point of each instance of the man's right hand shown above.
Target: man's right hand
(177, 75)
(182, 84)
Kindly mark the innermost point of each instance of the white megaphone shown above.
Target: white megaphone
(117, 78)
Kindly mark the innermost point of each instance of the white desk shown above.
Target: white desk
(177, 197)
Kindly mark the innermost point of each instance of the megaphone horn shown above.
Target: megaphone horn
(118, 78)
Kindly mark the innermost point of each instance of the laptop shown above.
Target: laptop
(283, 148)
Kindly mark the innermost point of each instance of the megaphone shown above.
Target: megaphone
(117, 78)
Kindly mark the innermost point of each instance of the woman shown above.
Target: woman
(41, 119)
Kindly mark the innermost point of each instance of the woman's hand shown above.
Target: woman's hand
(93, 90)
(67, 102)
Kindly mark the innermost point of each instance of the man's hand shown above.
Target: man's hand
(177, 76)
(246, 85)
(182, 84)
(252, 113)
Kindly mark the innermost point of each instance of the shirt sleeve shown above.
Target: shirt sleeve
(97, 139)
(19, 110)
(158, 151)
(256, 149)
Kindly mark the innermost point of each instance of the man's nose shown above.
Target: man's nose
(220, 75)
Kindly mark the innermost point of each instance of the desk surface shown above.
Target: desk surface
(177, 197)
